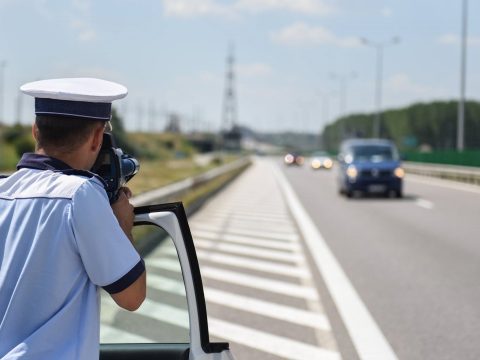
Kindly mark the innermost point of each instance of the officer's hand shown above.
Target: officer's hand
(123, 211)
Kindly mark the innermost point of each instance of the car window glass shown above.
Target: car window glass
(373, 153)
(163, 316)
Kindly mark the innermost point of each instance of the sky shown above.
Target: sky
(291, 56)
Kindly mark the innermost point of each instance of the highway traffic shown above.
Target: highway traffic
(413, 261)
(404, 285)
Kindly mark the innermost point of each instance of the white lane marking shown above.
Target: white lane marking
(256, 282)
(444, 183)
(235, 216)
(273, 344)
(165, 264)
(164, 313)
(253, 221)
(248, 304)
(268, 309)
(109, 334)
(274, 244)
(256, 339)
(246, 250)
(246, 232)
(425, 204)
(257, 214)
(258, 265)
(366, 336)
(166, 284)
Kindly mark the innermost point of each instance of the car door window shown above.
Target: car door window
(163, 317)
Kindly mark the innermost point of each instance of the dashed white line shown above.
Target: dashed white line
(425, 204)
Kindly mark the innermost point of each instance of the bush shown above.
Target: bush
(8, 157)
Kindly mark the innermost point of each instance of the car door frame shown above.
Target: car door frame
(172, 218)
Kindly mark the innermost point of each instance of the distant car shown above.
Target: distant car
(321, 160)
(370, 166)
(293, 159)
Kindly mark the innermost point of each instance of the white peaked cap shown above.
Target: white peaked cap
(75, 97)
(76, 89)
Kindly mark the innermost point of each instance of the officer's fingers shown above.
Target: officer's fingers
(127, 192)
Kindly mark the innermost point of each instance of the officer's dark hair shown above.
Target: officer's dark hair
(64, 133)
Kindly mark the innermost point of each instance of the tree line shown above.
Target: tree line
(418, 127)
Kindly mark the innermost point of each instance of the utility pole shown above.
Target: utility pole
(379, 46)
(229, 111)
(19, 108)
(230, 135)
(463, 70)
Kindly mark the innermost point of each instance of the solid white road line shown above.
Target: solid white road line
(256, 282)
(366, 336)
(246, 250)
(268, 309)
(277, 345)
(253, 264)
(273, 244)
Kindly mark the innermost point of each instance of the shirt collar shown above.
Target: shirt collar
(41, 162)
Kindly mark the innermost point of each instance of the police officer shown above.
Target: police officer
(60, 240)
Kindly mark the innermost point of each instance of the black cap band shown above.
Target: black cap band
(83, 109)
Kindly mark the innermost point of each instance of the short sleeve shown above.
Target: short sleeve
(108, 256)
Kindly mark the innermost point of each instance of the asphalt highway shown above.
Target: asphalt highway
(414, 262)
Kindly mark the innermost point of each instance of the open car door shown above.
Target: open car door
(172, 322)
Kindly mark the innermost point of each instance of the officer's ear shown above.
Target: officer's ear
(35, 131)
(97, 137)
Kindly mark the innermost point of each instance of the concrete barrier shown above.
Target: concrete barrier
(170, 192)
(464, 174)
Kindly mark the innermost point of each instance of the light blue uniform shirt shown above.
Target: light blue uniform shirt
(59, 242)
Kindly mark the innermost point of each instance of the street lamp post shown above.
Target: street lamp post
(463, 66)
(379, 46)
(343, 78)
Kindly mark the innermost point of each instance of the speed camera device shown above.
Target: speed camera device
(114, 166)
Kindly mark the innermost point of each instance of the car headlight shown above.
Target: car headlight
(288, 159)
(328, 163)
(316, 164)
(399, 172)
(352, 172)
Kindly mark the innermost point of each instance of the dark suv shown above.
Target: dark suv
(369, 165)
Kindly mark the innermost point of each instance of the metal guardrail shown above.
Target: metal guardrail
(464, 174)
(168, 192)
